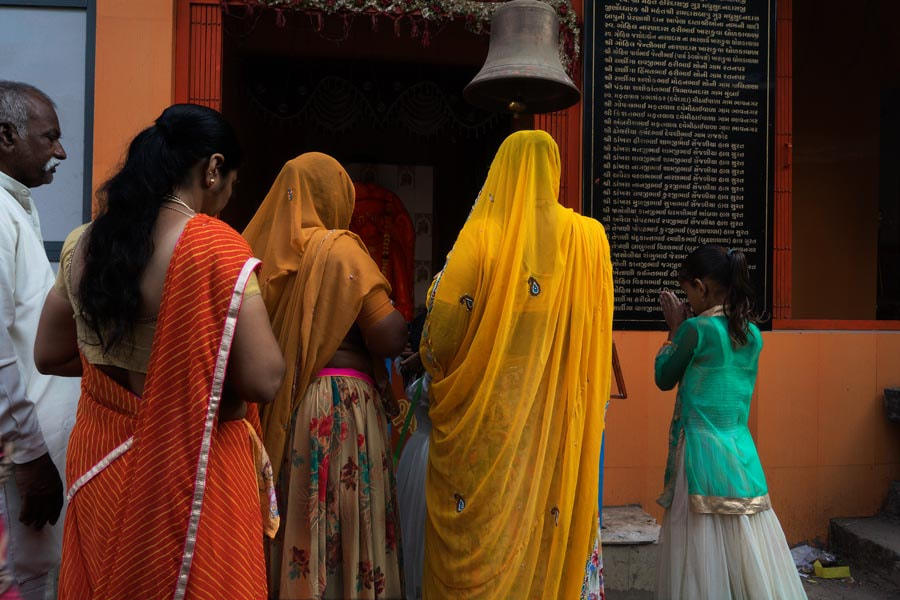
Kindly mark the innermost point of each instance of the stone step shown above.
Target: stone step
(892, 505)
(870, 543)
(630, 538)
(628, 525)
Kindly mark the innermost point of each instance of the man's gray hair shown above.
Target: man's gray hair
(15, 108)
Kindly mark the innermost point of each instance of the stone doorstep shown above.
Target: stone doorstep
(870, 543)
(628, 525)
(892, 505)
(630, 549)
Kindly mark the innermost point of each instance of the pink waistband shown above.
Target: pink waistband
(330, 372)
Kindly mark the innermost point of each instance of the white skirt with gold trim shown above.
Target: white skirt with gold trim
(722, 556)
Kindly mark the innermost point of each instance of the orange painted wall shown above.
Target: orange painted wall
(818, 421)
(826, 447)
(133, 81)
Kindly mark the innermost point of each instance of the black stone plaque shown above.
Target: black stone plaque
(678, 139)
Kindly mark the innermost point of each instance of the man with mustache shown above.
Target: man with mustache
(36, 411)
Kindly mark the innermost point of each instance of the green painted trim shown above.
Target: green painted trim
(53, 250)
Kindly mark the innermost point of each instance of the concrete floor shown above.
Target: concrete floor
(863, 586)
(630, 563)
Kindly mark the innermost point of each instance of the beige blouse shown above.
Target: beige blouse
(132, 354)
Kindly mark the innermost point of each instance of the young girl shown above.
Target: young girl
(720, 538)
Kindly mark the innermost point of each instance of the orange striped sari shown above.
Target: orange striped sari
(163, 499)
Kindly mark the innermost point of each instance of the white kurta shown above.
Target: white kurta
(25, 279)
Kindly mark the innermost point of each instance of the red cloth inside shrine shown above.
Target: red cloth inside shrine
(381, 220)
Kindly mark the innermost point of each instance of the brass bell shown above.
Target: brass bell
(522, 72)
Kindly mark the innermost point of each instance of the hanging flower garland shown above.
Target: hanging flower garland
(477, 15)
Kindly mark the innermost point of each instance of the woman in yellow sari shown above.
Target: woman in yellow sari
(518, 342)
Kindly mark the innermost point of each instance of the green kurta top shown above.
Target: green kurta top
(715, 385)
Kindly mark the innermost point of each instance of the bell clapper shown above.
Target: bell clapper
(517, 107)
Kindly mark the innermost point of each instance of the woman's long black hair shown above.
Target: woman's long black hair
(729, 269)
(159, 159)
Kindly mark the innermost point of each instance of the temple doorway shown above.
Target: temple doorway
(376, 98)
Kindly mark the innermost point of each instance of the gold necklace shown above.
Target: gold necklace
(178, 210)
(175, 199)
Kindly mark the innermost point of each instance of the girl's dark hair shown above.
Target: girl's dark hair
(159, 159)
(728, 268)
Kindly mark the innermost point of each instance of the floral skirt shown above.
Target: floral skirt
(337, 498)
(592, 586)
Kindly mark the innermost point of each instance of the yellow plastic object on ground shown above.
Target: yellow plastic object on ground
(831, 572)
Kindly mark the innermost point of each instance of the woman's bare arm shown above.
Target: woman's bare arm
(386, 338)
(256, 366)
(56, 344)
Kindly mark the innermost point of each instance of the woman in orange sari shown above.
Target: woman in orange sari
(326, 431)
(167, 494)
(518, 343)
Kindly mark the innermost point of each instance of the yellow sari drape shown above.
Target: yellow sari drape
(518, 340)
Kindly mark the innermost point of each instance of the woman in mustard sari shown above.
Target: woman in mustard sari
(518, 342)
(327, 430)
